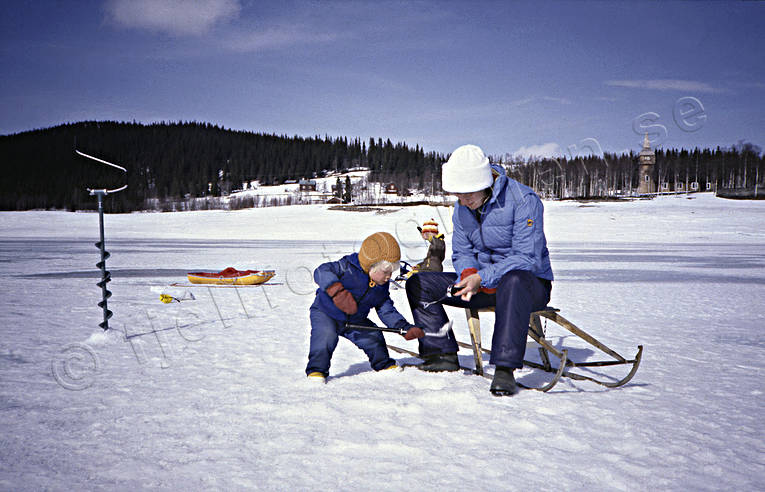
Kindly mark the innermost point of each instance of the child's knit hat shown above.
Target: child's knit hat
(378, 247)
(429, 226)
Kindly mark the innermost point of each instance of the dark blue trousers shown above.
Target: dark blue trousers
(519, 293)
(325, 333)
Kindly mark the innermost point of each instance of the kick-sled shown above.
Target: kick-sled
(537, 331)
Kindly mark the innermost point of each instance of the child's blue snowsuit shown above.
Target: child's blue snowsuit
(328, 322)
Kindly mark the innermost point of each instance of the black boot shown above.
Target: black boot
(503, 383)
(440, 363)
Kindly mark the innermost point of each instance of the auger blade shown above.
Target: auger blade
(106, 275)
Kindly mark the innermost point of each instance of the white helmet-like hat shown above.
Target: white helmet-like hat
(466, 171)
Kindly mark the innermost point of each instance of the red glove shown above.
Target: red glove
(470, 271)
(414, 332)
(342, 298)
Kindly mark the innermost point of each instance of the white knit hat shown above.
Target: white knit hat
(467, 170)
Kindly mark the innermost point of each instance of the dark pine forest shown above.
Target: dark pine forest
(178, 161)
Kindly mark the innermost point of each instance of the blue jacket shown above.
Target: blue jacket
(347, 270)
(509, 237)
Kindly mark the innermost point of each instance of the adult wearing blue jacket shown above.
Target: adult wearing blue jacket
(500, 257)
(348, 289)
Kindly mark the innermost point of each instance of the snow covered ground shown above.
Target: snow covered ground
(210, 393)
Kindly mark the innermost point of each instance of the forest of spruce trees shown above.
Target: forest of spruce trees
(739, 167)
(175, 161)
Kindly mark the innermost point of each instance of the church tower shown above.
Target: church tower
(646, 160)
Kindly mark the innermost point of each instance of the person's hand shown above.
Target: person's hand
(469, 284)
(414, 332)
(342, 298)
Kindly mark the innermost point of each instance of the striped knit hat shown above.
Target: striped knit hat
(429, 226)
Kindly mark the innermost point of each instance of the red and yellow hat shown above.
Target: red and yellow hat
(429, 226)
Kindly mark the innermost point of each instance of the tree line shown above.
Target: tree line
(180, 161)
(741, 166)
(176, 161)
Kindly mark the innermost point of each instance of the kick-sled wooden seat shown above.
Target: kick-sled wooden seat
(537, 333)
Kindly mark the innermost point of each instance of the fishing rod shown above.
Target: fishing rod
(451, 291)
(442, 332)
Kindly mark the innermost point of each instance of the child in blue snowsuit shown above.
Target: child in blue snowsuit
(348, 289)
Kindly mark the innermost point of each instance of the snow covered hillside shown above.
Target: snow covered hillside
(210, 393)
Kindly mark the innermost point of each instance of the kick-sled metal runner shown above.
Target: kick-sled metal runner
(537, 331)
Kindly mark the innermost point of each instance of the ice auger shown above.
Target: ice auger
(106, 276)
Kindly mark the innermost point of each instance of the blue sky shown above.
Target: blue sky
(513, 77)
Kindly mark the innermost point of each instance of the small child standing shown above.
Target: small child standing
(348, 289)
(434, 259)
